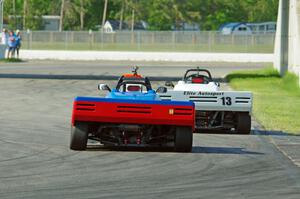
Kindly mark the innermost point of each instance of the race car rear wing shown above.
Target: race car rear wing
(237, 101)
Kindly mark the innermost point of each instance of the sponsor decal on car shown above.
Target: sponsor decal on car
(203, 93)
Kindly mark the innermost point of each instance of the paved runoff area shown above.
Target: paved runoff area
(113, 69)
(36, 162)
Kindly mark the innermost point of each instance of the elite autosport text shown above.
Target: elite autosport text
(203, 93)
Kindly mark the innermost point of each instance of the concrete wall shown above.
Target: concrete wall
(294, 36)
(287, 40)
(281, 48)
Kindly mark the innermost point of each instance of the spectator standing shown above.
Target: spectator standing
(4, 37)
(4, 40)
(18, 42)
(11, 45)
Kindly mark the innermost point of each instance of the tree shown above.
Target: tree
(104, 14)
(62, 10)
(81, 15)
(122, 14)
(14, 13)
(160, 14)
(25, 11)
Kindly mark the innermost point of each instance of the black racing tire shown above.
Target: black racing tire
(183, 139)
(79, 136)
(243, 125)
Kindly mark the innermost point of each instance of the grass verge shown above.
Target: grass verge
(276, 100)
(13, 60)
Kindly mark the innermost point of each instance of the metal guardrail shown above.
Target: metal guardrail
(174, 41)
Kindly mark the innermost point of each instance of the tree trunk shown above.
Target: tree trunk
(104, 14)
(121, 15)
(132, 20)
(61, 21)
(25, 11)
(81, 15)
(14, 13)
(1, 15)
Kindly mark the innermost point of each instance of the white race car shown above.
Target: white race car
(228, 111)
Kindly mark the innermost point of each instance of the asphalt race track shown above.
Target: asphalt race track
(35, 160)
(114, 69)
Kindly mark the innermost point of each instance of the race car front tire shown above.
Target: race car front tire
(243, 123)
(183, 139)
(79, 136)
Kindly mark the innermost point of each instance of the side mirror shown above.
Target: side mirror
(169, 84)
(218, 84)
(161, 89)
(103, 87)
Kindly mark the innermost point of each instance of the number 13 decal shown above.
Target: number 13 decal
(226, 101)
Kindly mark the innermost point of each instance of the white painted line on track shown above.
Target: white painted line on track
(295, 161)
(146, 56)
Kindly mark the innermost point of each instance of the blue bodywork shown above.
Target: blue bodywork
(149, 95)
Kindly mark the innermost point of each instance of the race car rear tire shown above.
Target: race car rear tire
(183, 139)
(243, 123)
(79, 136)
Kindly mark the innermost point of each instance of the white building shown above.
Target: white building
(50, 22)
(185, 26)
(263, 27)
(111, 26)
(235, 28)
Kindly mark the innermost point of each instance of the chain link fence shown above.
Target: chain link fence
(168, 41)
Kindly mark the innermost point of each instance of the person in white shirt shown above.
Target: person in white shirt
(4, 41)
(4, 37)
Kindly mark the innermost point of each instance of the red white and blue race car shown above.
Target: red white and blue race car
(132, 114)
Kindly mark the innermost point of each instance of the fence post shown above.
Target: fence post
(28, 39)
(173, 39)
(72, 38)
(246, 43)
(113, 39)
(91, 39)
(213, 41)
(66, 40)
(232, 39)
(194, 38)
(209, 41)
(139, 40)
(153, 37)
(102, 40)
(51, 37)
(132, 37)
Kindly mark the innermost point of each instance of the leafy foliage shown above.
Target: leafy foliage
(160, 14)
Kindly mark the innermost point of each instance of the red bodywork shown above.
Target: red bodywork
(129, 113)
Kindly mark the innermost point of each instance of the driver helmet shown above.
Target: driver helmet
(197, 80)
(133, 88)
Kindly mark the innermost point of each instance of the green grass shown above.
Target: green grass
(12, 60)
(276, 100)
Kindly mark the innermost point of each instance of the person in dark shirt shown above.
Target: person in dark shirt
(11, 44)
(18, 42)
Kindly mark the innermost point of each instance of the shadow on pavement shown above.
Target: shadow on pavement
(196, 149)
(224, 150)
(275, 133)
